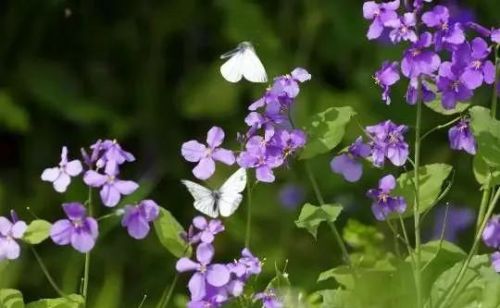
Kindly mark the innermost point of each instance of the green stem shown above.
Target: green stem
(86, 270)
(445, 125)
(167, 293)
(472, 251)
(47, 274)
(484, 202)
(416, 207)
(249, 215)
(319, 197)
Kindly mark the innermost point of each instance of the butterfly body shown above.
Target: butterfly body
(243, 63)
(223, 201)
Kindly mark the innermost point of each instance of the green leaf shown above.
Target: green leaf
(482, 170)
(312, 216)
(326, 130)
(169, 232)
(436, 105)
(432, 178)
(470, 291)
(37, 232)
(71, 301)
(337, 298)
(487, 133)
(10, 298)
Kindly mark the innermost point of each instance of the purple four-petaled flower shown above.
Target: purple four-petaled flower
(79, 230)
(491, 233)
(112, 188)
(205, 156)
(383, 203)
(138, 217)
(461, 137)
(388, 142)
(447, 34)
(61, 176)
(347, 163)
(381, 14)
(10, 231)
(385, 77)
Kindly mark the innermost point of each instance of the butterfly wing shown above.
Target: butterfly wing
(251, 67)
(204, 200)
(231, 69)
(230, 193)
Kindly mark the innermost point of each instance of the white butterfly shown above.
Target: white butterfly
(243, 62)
(224, 201)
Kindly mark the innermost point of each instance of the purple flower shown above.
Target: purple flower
(446, 33)
(61, 176)
(291, 196)
(491, 234)
(216, 275)
(288, 85)
(403, 28)
(257, 156)
(380, 14)
(79, 230)
(287, 142)
(495, 36)
(270, 119)
(384, 203)
(113, 155)
(478, 68)
(495, 261)
(417, 60)
(10, 231)
(388, 142)
(461, 137)
(194, 151)
(458, 219)
(347, 164)
(479, 29)
(387, 76)
(451, 85)
(137, 218)
(412, 95)
(208, 229)
(111, 187)
(269, 299)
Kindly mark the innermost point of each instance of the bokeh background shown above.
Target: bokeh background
(147, 73)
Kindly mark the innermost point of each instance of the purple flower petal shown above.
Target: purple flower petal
(215, 137)
(61, 231)
(186, 265)
(264, 174)
(62, 182)
(224, 156)
(205, 168)
(110, 196)
(74, 210)
(349, 168)
(197, 286)
(125, 187)
(50, 174)
(205, 253)
(94, 179)
(82, 241)
(387, 183)
(193, 151)
(74, 168)
(218, 275)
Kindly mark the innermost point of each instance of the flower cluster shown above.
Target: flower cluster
(10, 231)
(269, 141)
(213, 284)
(439, 59)
(271, 137)
(103, 168)
(383, 203)
(491, 238)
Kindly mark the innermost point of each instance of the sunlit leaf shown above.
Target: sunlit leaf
(37, 232)
(326, 130)
(312, 216)
(10, 298)
(487, 133)
(71, 301)
(169, 232)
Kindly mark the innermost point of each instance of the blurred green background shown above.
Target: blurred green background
(147, 73)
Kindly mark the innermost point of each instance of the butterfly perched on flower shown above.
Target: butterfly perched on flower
(243, 62)
(223, 201)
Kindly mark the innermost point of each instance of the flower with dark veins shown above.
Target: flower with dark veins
(383, 203)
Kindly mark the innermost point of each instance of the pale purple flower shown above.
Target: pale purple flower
(381, 14)
(291, 196)
(216, 275)
(112, 188)
(138, 217)
(385, 204)
(495, 261)
(61, 176)
(207, 229)
(495, 36)
(287, 142)
(347, 164)
(272, 117)
(491, 234)
(288, 85)
(205, 156)
(10, 231)
(412, 95)
(79, 230)
(257, 156)
(113, 155)
(478, 68)
(458, 219)
(418, 60)
(385, 77)
(403, 28)
(388, 142)
(461, 137)
(269, 299)
(446, 33)
(451, 85)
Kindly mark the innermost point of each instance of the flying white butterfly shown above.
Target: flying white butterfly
(223, 201)
(243, 62)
